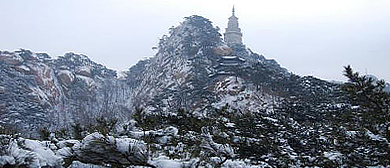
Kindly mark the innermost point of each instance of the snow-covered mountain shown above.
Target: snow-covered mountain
(195, 70)
(37, 91)
(199, 102)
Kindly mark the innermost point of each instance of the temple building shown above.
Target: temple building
(233, 33)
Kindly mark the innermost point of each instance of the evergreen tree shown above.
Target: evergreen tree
(370, 96)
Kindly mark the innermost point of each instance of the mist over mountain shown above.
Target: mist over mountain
(201, 101)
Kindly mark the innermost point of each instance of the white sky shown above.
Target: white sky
(308, 37)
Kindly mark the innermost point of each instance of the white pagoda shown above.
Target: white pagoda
(233, 33)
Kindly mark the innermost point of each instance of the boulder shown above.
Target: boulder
(11, 59)
(85, 71)
(66, 77)
(99, 149)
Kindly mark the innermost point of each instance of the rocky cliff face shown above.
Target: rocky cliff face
(38, 91)
(28, 88)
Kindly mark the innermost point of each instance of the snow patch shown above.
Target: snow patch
(165, 162)
(375, 137)
(333, 155)
(23, 67)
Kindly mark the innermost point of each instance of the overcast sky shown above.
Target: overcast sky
(308, 37)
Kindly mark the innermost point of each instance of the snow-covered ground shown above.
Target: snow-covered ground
(231, 90)
(100, 150)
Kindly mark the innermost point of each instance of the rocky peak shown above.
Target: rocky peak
(81, 64)
(189, 63)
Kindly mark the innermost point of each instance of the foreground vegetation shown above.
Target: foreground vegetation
(352, 134)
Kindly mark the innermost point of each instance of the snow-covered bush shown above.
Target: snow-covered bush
(94, 149)
(24, 152)
(212, 152)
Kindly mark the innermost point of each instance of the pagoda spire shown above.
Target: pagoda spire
(233, 33)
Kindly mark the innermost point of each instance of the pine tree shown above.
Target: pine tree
(370, 96)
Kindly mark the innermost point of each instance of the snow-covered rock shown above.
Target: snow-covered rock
(84, 70)
(25, 152)
(11, 58)
(66, 77)
(93, 149)
(99, 149)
